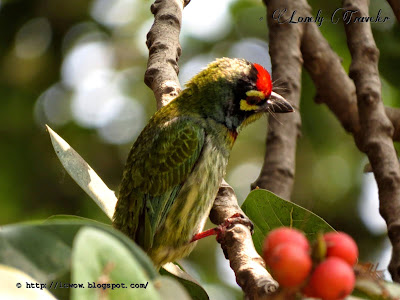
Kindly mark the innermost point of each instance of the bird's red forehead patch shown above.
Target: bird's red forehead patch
(264, 83)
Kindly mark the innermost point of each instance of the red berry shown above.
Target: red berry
(290, 264)
(284, 235)
(340, 244)
(333, 279)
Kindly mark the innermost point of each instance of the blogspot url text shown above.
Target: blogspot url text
(89, 285)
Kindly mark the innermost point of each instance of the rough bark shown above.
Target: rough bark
(277, 173)
(237, 244)
(360, 118)
(376, 129)
(164, 50)
(334, 87)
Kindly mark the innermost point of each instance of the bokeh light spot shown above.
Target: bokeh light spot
(53, 106)
(126, 124)
(114, 13)
(368, 205)
(213, 16)
(33, 39)
(85, 59)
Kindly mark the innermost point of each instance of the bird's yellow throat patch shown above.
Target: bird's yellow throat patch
(245, 106)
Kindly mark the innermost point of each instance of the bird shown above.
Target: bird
(178, 161)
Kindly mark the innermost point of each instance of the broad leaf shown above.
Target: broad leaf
(79, 222)
(267, 211)
(43, 251)
(107, 269)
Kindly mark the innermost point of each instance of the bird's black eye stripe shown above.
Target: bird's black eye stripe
(255, 101)
(252, 100)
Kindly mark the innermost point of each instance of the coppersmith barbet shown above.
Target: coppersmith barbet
(178, 161)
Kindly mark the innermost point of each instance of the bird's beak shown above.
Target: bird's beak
(277, 104)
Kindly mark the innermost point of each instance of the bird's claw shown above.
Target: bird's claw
(237, 218)
(221, 229)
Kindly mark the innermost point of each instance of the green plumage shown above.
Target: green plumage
(175, 166)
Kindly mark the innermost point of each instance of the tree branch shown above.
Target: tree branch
(238, 245)
(375, 138)
(277, 172)
(164, 50)
(337, 90)
(334, 87)
(394, 116)
(162, 77)
(395, 4)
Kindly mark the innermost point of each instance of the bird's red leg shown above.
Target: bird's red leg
(219, 230)
(199, 236)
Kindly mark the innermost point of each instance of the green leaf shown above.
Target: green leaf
(268, 211)
(191, 285)
(43, 251)
(38, 252)
(78, 222)
(15, 284)
(101, 260)
(83, 174)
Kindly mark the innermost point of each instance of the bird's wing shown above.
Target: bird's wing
(155, 174)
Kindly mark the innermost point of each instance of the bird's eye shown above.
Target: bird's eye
(252, 100)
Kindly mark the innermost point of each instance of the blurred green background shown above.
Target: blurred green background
(78, 66)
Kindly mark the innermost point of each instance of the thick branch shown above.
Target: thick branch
(238, 245)
(277, 172)
(161, 77)
(377, 130)
(395, 4)
(164, 50)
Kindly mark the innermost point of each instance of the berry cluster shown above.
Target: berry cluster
(328, 276)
